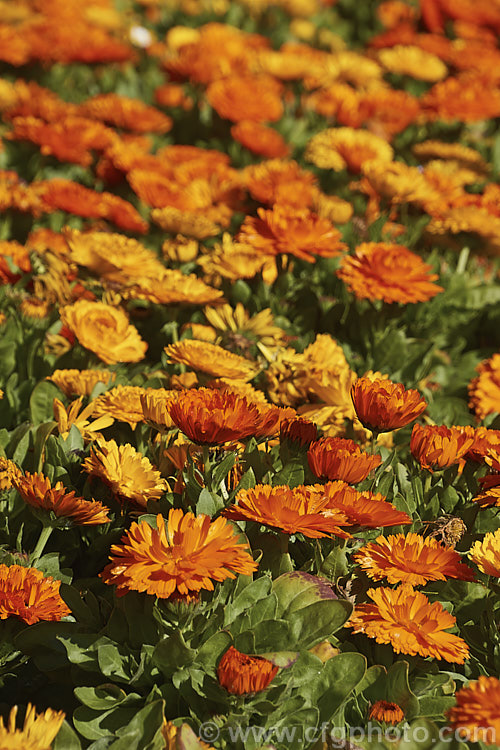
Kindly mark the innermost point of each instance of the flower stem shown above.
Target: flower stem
(40, 545)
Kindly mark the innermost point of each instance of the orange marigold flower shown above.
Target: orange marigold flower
(490, 495)
(260, 139)
(301, 510)
(281, 181)
(475, 715)
(27, 594)
(37, 732)
(468, 97)
(392, 273)
(185, 556)
(440, 446)
(37, 492)
(297, 430)
(12, 254)
(291, 231)
(410, 623)
(212, 359)
(173, 95)
(484, 391)
(247, 97)
(123, 112)
(486, 554)
(212, 417)
(340, 458)
(128, 473)
(362, 508)
(386, 711)
(105, 330)
(412, 559)
(241, 674)
(382, 405)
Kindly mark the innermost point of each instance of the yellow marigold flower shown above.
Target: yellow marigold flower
(177, 738)
(113, 257)
(105, 330)
(201, 332)
(128, 473)
(180, 250)
(412, 559)
(486, 554)
(8, 472)
(122, 403)
(347, 148)
(473, 219)
(476, 712)
(181, 557)
(211, 359)
(80, 382)
(27, 594)
(413, 61)
(36, 491)
(155, 404)
(484, 390)
(32, 307)
(237, 327)
(400, 183)
(333, 208)
(37, 732)
(234, 260)
(67, 417)
(192, 224)
(466, 156)
(173, 287)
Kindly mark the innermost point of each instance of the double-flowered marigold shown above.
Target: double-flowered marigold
(476, 715)
(388, 272)
(105, 330)
(211, 359)
(410, 623)
(346, 148)
(260, 139)
(286, 230)
(80, 382)
(367, 509)
(128, 473)
(36, 491)
(212, 417)
(382, 405)
(247, 97)
(412, 559)
(486, 554)
(25, 593)
(241, 674)
(301, 510)
(439, 446)
(37, 732)
(180, 558)
(340, 458)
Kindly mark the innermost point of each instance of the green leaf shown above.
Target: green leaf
(101, 698)
(66, 739)
(296, 590)
(42, 400)
(208, 503)
(434, 707)
(173, 653)
(222, 469)
(210, 652)
(143, 732)
(251, 594)
(338, 678)
(291, 475)
(318, 621)
(398, 689)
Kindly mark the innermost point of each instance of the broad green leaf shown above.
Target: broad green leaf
(42, 400)
(318, 621)
(338, 678)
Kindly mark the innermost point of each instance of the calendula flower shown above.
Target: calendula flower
(235, 260)
(32, 307)
(241, 674)
(407, 620)
(392, 273)
(80, 382)
(289, 231)
(476, 711)
(67, 417)
(37, 733)
(466, 156)
(172, 287)
(490, 494)
(346, 148)
(182, 557)
(413, 61)
(256, 98)
(367, 509)
(8, 472)
(122, 403)
(297, 430)
(127, 472)
(27, 594)
(439, 446)
(175, 737)
(293, 511)
(484, 390)
(382, 405)
(211, 359)
(13, 256)
(105, 330)
(412, 559)
(386, 711)
(486, 554)
(235, 326)
(155, 405)
(280, 181)
(340, 458)
(190, 223)
(260, 139)
(37, 492)
(466, 97)
(213, 417)
(127, 113)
